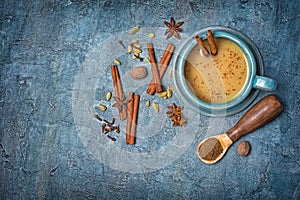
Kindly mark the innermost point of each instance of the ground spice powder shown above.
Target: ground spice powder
(210, 149)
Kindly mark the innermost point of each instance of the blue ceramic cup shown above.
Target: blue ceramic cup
(255, 81)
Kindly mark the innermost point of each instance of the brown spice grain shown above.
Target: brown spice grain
(244, 148)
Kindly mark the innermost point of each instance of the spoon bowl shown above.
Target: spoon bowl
(225, 143)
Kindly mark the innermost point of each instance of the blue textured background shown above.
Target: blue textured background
(43, 45)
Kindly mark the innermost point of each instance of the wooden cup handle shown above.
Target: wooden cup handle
(260, 114)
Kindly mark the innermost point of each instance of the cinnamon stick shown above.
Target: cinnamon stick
(118, 90)
(166, 61)
(211, 42)
(133, 108)
(162, 66)
(164, 56)
(136, 102)
(114, 79)
(200, 43)
(129, 117)
(151, 88)
(155, 73)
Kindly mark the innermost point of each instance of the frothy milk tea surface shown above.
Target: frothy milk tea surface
(217, 79)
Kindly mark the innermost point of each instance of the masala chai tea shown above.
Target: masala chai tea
(217, 79)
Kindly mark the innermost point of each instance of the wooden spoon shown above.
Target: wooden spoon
(259, 115)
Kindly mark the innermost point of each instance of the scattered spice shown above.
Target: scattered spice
(138, 72)
(169, 92)
(133, 108)
(151, 35)
(178, 121)
(117, 61)
(97, 117)
(165, 94)
(120, 103)
(108, 126)
(134, 41)
(147, 60)
(137, 57)
(129, 49)
(134, 30)
(155, 106)
(102, 107)
(135, 48)
(147, 103)
(107, 130)
(244, 148)
(162, 94)
(108, 96)
(136, 45)
(103, 127)
(122, 44)
(116, 128)
(175, 114)
(119, 95)
(156, 82)
(210, 149)
(136, 103)
(129, 118)
(162, 66)
(173, 29)
(112, 138)
(137, 51)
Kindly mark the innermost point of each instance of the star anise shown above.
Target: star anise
(175, 114)
(173, 29)
(120, 103)
(179, 122)
(174, 111)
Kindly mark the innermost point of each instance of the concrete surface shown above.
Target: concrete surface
(54, 70)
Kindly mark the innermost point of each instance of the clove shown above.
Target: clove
(103, 127)
(110, 124)
(112, 138)
(122, 44)
(97, 117)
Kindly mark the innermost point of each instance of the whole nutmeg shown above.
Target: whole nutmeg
(138, 72)
(244, 148)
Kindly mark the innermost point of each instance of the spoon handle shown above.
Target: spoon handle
(260, 114)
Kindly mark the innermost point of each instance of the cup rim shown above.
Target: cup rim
(234, 105)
